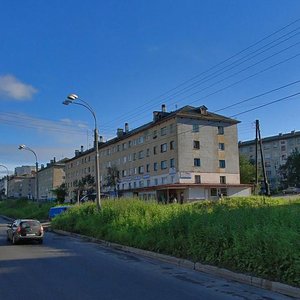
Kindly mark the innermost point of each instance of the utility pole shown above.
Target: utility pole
(267, 187)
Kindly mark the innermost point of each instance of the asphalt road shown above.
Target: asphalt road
(69, 268)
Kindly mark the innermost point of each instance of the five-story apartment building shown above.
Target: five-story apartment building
(188, 154)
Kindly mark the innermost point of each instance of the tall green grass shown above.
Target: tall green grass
(25, 209)
(255, 235)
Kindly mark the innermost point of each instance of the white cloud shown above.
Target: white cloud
(12, 88)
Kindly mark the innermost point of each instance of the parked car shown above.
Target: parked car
(291, 190)
(57, 210)
(88, 197)
(92, 197)
(25, 229)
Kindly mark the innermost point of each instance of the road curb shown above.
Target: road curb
(224, 273)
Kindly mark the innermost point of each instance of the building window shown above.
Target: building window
(155, 166)
(172, 163)
(163, 180)
(163, 164)
(223, 192)
(171, 128)
(118, 148)
(223, 179)
(197, 162)
(141, 154)
(141, 169)
(148, 168)
(129, 144)
(163, 148)
(148, 152)
(197, 179)
(148, 182)
(222, 164)
(283, 148)
(135, 171)
(134, 184)
(154, 134)
(213, 192)
(124, 173)
(141, 183)
(155, 150)
(196, 144)
(195, 127)
(172, 145)
(221, 146)
(134, 156)
(220, 130)
(163, 131)
(155, 181)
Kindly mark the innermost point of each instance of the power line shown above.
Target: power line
(215, 66)
(243, 79)
(240, 113)
(236, 73)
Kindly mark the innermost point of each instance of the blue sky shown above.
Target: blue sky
(126, 58)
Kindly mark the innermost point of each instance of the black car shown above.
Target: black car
(25, 229)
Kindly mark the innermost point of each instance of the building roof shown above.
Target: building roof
(273, 138)
(199, 113)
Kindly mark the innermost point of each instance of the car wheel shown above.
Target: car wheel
(14, 240)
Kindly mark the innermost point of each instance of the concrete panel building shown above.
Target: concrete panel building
(21, 187)
(276, 150)
(51, 177)
(190, 154)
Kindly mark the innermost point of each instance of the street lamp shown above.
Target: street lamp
(71, 100)
(7, 179)
(24, 147)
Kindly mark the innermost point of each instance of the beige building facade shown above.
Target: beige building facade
(50, 177)
(189, 154)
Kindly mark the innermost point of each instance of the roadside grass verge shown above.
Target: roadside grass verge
(254, 235)
(25, 209)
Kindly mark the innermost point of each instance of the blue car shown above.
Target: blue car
(54, 211)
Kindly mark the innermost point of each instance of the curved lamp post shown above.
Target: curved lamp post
(71, 100)
(24, 147)
(7, 179)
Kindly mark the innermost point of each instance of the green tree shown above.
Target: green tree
(247, 170)
(60, 193)
(86, 184)
(290, 171)
(112, 178)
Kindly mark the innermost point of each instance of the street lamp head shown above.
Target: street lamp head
(72, 97)
(21, 147)
(67, 102)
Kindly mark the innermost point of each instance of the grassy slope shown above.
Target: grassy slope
(259, 236)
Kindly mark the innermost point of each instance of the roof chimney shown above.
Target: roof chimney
(101, 139)
(119, 132)
(76, 152)
(126, 128)
(203, 110)
(81, 149)
(163, 108)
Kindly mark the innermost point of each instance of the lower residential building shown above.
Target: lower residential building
(50, 177)
(21, 187)
(276, 150)
(189, 154)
